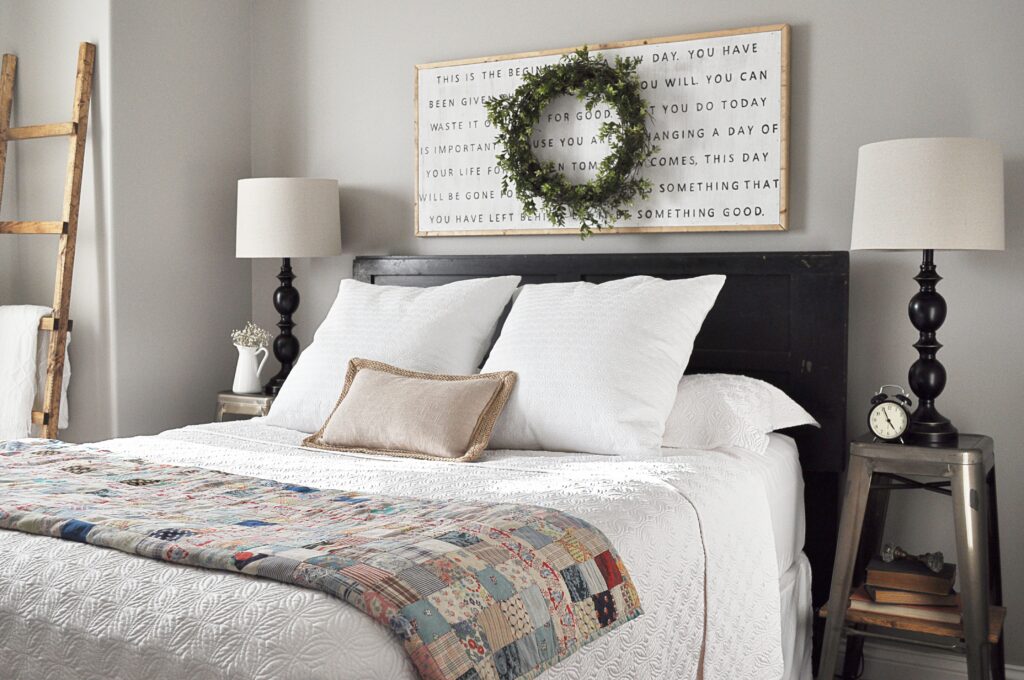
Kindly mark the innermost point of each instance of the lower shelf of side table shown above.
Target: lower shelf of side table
(996, 615)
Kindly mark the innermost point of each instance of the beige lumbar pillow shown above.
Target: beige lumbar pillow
(387, 410)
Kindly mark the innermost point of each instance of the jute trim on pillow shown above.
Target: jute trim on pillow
(481, 433)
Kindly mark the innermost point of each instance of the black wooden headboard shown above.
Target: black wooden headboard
(781, 317)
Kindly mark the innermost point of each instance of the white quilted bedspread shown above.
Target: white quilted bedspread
(693, 528)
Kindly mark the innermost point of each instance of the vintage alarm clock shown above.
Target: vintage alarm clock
(889, 416)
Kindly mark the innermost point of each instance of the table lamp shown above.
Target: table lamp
(287, 217)
(929, 194)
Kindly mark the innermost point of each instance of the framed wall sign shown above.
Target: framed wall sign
(719, 105)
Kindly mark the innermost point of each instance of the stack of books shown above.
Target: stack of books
(909, 589)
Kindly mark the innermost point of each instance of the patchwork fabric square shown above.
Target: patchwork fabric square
(497, 585)
(604, 605)
(472, 638)
(450, 657)
(496, 627)
(592, 576)
(462, 599)
(532, 536)
(171, 534)
(490, 554)
(475, 591)
(606, 562)
(423, 581)
(389, 562)
(544, 642)
(518, 618)
(459, 538)
(556, 555)
(536, 606)
(575, 582)
(508, 663)
(527, 649)
(516, 572)
(445, 569)
(572, 545)
(427, 622)
(396, 590)
(586, 618)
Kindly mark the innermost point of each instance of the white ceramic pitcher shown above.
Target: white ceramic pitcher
(247, 371)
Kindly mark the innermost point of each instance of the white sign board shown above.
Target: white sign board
(719, 106)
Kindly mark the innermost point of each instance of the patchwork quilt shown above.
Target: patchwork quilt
(474, 590)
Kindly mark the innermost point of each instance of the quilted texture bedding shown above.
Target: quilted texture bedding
(473, 589)
(692, 526)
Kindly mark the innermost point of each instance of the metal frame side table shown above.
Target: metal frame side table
(967, 474)
(242, 404)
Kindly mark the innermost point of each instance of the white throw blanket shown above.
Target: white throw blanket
(22, 348)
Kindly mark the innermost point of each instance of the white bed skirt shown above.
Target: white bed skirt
(797, 619)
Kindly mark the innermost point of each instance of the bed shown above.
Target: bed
(713, 538)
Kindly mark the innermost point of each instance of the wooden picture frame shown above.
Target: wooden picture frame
(433, 223)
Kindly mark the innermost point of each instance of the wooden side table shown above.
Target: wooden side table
(967, 474)
(242, 404)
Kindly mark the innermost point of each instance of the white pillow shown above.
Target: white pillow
(598, 365)
(716, 410)
(445, 329)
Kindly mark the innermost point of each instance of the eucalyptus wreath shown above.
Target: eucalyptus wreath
(601, 201)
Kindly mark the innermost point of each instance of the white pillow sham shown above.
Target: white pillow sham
(444, 329)
(598, 365)
(716, 410)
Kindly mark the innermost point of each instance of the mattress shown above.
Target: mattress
(694, 527)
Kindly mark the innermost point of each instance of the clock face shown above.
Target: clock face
(888, 420)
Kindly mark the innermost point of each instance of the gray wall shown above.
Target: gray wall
(181, 79)
(157, 288)
(332, 86)
(44, 89)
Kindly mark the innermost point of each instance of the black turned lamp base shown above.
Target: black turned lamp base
(927, 376)
(937, 434)
(286, 345)
(274, 385)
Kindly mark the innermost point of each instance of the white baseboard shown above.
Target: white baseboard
(904, 662)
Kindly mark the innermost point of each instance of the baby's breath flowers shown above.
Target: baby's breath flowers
(251, 336)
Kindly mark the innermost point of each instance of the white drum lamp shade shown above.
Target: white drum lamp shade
(287, 217)
(929, 194)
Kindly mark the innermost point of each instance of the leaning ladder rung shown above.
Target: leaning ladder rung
(48, 323)
(33, 227)
(40, 418)
(41, 131)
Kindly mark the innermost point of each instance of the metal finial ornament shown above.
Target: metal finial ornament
(933, 560)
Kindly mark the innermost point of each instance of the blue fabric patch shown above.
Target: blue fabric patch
(532, 536)
(430, 624)
(507, 662)
(497, 585)
(76, 530)
(298, 488)
(544, 637)
(255, 523)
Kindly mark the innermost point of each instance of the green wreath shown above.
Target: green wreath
(592, 80)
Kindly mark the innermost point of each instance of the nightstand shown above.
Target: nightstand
(966, 473)
(242, 404)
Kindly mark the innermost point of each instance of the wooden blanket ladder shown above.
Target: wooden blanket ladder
(66, 229)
